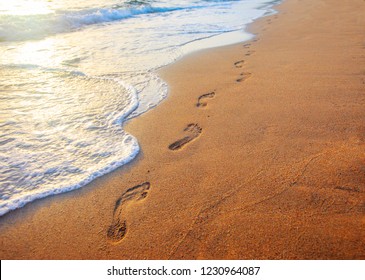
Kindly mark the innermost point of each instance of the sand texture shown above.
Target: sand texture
(257, 153)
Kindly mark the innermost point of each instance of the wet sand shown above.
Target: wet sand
(257, 153)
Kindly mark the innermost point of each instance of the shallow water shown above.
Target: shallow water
(72, 72)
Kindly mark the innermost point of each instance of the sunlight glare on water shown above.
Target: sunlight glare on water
(25, 7)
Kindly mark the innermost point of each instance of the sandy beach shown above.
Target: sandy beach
(257, 153)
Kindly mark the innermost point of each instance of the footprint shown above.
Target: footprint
(243, 76)
(247, 45)
(193, 130)
(201, 102)
(248, 53)
(118, 228)
(239, 63)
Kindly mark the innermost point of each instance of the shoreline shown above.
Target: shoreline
(291, 167)
(213, 41)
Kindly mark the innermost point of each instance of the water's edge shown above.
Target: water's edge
(217, 41)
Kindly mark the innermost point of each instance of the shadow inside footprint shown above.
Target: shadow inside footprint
(249, 53)
(202, 98)
(243, 76)
(118, 228)
(193, 130)
(239, 64)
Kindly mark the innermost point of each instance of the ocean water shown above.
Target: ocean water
(72, 72)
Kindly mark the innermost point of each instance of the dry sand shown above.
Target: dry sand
(271, 165)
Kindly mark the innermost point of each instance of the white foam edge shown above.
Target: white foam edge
(160, 88)
(19, 202)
